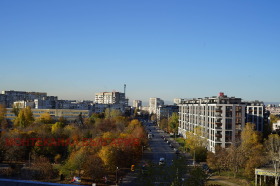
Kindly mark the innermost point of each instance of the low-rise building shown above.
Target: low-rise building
(69, 114)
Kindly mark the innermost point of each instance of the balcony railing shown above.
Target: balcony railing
(218, 135)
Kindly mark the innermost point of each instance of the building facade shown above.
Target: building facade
(111, 98)
(154, 103)
(178, 101)
(166, 111)
(220, 118)
(137, 104)
(69, 114)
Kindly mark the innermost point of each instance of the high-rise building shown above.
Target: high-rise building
(220, 118)
(137, 104)
(111, 98)
(154, 103)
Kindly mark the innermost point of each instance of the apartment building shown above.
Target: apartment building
(166, 111)
(111, 98)
(154, 103)
(273, 109)
(137, 104)
(69, 114)
(220, 118)
(11, 96)
(177, 101)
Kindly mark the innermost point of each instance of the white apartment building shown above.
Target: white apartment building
(255, 112)
(178, 101)
(111, 98)
(137, 104)
(154, 103)
(220, 118)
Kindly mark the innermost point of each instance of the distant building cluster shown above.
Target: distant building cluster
(220, 118)
(273, 109)
(41, 103)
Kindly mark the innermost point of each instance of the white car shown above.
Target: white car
(161, 161)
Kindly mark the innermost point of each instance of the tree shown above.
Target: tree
(3, 111)
(24, 118)
(251, 149)
(195, 139)
(163, 124)
(235, 159)
(58, 126)
(217, 160)
(46, 118)
(16, 109)
(273, 147)
(43, 168)
(94, 167)
(173, 123)
(112, 113)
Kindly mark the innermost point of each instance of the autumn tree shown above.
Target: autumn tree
(57, 127)
(75, 162)
(24, 118)
(16, 109)
(235, 159)
(173, 123)
(196, 141)
(111, 113)
(273, 147)
(46, 118)
(3, 111)
(43, 168)
(94, 167)
(217, 160)
(163, 124)
(251, 149)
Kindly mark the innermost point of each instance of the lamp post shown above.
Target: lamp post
(117, 175)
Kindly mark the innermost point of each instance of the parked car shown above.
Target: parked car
(161, 161)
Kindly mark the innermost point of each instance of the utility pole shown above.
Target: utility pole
(117, 175)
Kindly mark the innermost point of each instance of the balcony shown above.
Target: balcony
(218, 135)
(218, 114)
(218, 122)
(218, 110)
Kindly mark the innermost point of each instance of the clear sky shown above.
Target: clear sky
(159, 48)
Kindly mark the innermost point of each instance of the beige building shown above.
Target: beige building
(68, 114)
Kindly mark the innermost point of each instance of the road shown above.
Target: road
(158, 148)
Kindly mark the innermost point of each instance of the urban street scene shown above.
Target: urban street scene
(139, 93)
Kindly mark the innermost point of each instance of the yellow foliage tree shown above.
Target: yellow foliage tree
(45, 118)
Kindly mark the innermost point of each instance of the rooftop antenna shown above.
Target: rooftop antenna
(124, 87)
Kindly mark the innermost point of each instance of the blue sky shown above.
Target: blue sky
(159, 48)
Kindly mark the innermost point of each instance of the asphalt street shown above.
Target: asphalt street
(158, 148)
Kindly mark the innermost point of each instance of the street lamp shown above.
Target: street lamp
(117, 175)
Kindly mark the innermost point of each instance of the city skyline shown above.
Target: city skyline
(159, 49)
